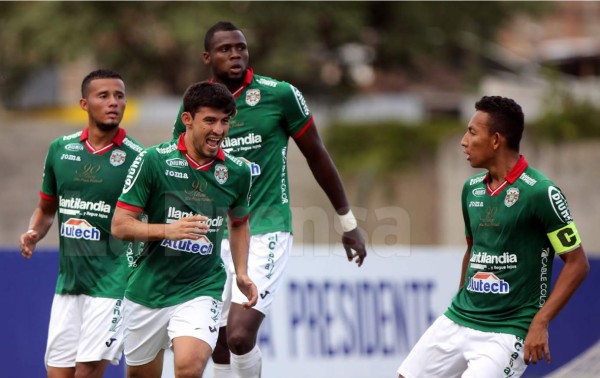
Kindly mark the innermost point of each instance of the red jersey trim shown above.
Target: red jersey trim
(247, 81)
(118, 140)
(181, 147)
(238, 221)
(308, 124)
(47, 197)
(129, 207)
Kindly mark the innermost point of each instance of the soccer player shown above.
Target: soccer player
(83, 177)
(269, 113)
(186, 187)
(516, 220)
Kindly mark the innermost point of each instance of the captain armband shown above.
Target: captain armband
(565, 239)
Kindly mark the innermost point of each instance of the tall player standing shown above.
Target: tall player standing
(83, 177)
(269, 113)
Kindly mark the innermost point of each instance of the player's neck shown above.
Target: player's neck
(99, 138)
(232, 85)
(501, 167)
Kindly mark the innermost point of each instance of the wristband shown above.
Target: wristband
(348, 221)
(30, 231)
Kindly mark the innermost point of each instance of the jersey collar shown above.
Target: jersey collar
(510, 178)
(117, 140)
(247, 81)
(181, 147)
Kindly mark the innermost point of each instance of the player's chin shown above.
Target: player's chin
(108, 125)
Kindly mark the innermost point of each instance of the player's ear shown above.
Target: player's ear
(206, 57)
(187, 119)
(83, 104)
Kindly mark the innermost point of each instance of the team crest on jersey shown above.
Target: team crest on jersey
(117, 157)
(252, 96)
(221, 173)
(512, 195)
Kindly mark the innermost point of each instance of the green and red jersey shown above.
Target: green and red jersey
(166, 184)
(515, 230)
(269, 112)
(86, 183)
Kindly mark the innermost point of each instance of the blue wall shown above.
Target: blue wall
(27, 288)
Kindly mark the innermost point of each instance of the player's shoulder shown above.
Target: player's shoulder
(163, 149)
(536, 180)
(133, 144)
(266, 82)
(236, 163)
(475, 180)
(71, 140)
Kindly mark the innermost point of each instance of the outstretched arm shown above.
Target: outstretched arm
(572, 274)
(326, 174)
(39, 224)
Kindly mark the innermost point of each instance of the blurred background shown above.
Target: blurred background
(391, 85)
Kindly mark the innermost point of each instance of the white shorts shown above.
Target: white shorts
(266, 263)
(84, 329)
(449, 350)
(148, 330)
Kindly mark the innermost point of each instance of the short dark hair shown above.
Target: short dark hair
(219, 26)
(98, 74)
(506, 118)
(210, 95)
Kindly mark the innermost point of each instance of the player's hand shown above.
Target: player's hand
(27, 243)
(536, 343)
(248, 288)
(354, 241)
(187, 228)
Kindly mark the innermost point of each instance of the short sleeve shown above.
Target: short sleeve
(138, 182)
(178, 126)
(296, 113)
(49, 177)
(552, 209)
(239, 211)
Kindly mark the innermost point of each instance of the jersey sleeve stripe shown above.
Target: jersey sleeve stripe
(237, 222)
(47, 197)
(129, 207)
(304, 128)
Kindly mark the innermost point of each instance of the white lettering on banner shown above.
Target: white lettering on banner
(346, 318)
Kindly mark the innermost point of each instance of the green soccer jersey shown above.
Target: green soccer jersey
(166, 184)
(86, 184)
(515, 232)
(269, 112)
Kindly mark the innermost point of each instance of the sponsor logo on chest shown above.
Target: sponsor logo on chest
(74, 147)
(488, 283)
(79, 229)
(70, 157)
(202, 246)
